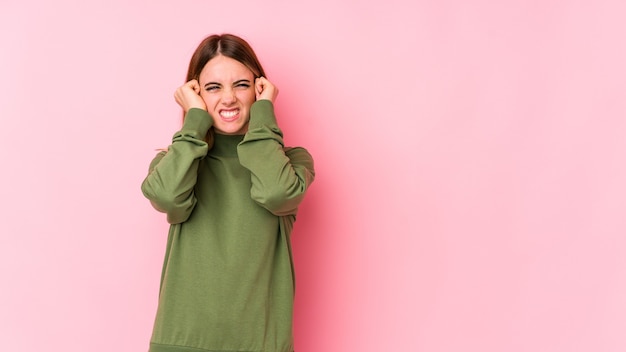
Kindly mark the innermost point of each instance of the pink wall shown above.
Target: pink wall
(470, 155)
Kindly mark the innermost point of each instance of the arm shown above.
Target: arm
(172, 176)
(280, 176)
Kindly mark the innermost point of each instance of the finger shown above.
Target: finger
(259, 85)
(194, 85)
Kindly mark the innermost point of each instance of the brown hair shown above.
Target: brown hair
(230, 46)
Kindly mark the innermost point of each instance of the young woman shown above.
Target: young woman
(231, 190)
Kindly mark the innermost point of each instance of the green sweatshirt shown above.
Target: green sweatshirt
(227, 282)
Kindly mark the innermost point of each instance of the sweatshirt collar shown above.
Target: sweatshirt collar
(226, 145)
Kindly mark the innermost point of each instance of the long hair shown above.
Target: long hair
(228, 45)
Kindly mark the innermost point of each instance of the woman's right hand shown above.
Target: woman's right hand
(188, 96)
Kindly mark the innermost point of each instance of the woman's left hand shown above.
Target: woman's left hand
(265, 89)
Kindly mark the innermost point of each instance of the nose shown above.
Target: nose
(228, 96)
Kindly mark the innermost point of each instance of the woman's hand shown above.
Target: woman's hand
(265, 89)
(188, 96)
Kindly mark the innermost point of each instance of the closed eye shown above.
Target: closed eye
(212, 86)
(242, 83)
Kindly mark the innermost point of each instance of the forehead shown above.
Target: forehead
(224, 69)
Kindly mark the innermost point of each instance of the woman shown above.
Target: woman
(231, 191)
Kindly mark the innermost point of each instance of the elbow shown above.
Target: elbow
(179, 215)
(177, 206)
(176, 212)
(279, 201)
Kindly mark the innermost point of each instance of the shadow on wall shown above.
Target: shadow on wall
(296, 112)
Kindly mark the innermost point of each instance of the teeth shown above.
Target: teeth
(229, 114)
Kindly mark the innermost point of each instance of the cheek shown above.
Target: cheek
(247, 98)
(209, 100)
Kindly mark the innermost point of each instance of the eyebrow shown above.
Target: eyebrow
(211, 84)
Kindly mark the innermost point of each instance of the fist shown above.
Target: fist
(265, 89)
(188, 96)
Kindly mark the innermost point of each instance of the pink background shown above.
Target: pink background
(471, 160)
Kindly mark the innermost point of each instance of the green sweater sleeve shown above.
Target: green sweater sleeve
(280, 176)
(172, 176)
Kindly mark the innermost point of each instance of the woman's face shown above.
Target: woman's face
(227, 88)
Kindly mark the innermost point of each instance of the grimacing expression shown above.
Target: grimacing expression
(227, 88)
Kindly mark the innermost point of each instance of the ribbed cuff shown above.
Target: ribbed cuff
(197, 121)
(262, 114)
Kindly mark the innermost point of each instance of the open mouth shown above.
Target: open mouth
(229, 115)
